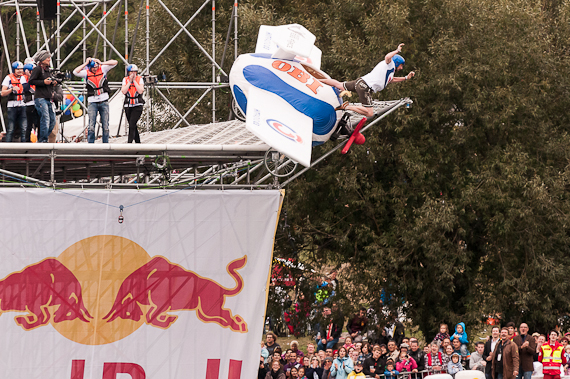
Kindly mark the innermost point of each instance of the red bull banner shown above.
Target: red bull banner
(128, 284)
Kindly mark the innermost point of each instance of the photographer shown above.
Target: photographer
(95, 74)
(133, 88)
(12, 86)
(45, 86)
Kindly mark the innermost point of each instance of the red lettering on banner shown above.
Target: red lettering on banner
(110, 370)
(213, 369)
(235, 369)
(281, 66)
(77, 369)
(299, 74)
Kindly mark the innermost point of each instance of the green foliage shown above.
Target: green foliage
(458, 206)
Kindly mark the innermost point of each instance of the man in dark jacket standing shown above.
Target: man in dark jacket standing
(505, 358)
(41, 78)
(488, 352)
(527, 347)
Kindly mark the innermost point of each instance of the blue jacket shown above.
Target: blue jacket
(345, 367)
(462, 336)
(391, 374)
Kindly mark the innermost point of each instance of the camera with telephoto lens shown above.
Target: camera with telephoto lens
(58, 76)
(150, 80)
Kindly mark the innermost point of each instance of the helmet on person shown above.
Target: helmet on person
(28, 60)
(91, 64)
(398, 60)
(16, 65)
(29, 66)
(132, 67)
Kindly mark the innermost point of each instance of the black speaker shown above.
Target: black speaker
(47, 9)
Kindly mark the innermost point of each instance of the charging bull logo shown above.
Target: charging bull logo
(103, 288)
(40, 288)
(167, 287)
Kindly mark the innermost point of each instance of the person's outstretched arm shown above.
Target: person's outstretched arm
(390, 55)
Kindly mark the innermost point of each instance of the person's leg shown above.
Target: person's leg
(92, 112)
(363, 91)
(11, 123)
(43, 113)
(135, 116)
(51, 114)
(128, 113)
(358, 338)
(331, 344)
(30, 120)
(104, 112)
(23, 123)
(320, 345)
(527, 375)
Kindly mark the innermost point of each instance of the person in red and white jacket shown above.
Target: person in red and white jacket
(551, 355)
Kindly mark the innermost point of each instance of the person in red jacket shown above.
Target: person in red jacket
(551, 355)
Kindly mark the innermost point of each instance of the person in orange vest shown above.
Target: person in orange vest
(12, 86)
(551, 355)
(32, 116)
(133, 88)
(95, 74)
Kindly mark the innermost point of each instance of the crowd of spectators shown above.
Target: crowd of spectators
(505, 354)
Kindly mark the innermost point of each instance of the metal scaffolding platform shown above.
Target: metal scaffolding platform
(220, 155)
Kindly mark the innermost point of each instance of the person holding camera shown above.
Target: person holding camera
(45, 87)
(95, 74)
(13, 87)
(133, 88)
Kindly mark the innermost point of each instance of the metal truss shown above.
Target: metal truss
(154, 165)
(93, 24)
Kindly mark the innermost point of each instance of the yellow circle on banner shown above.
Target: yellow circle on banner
(101, 264)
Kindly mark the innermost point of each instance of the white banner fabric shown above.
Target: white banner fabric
(176, 290)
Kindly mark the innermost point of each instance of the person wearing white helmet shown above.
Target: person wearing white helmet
(133, 88)
(375, 81)
(12, 86)
(32, 117)
(95, 74)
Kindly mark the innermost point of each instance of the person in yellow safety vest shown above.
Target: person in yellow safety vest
(551, 355)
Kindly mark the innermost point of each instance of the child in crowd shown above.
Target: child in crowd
(348, 343)
(406, 363)
(357, 373)
(292, 374)
(461, 334)
(454, 366)
(443, 334)
(301, 373)
(390, 372)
